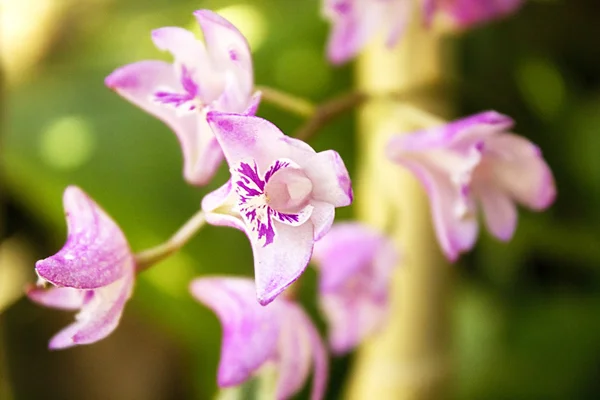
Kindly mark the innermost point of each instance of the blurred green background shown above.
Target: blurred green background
(526, 315)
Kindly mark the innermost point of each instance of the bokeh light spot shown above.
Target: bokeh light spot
(302, 70)
(67, 142)
(542, 86)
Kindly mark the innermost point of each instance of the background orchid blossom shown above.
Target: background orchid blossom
(355, 264)
(254, 336)
(215, 75)
(356, 22)
(93, 273)
(465, 13)
(475, 160)
(282, 194)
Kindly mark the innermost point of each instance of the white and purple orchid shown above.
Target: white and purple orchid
(470, 161)
(282, 194)
(94, 273)
(215, 75)
(356, 22)
(355, 264)
(466, 13)
(255, 336)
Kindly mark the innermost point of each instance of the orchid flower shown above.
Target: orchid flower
(356, 22)
(255, 336)
(355, 264)
(475, 161)
(465, 13)
(216, 75)
(93, 273)
(282, 194)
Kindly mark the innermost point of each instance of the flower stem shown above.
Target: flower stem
(146, 258)
(286, 101)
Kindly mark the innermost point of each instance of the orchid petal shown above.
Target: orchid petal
(300, 346)
(500, 212)
(96, 252)
(466, 13)
(227, 47)
(137, 83)
(322, 218)
(58, 297)
(330, 178)
(186, 49)
(99, 315)
(279, 264)
(249, 330)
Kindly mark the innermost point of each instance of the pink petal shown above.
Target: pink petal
(138, 82)
(351, 320)
(186, 49)
(471, 12)
(330, 178)
(58, 297)
(279, 264)
(300, 346)
(247, 137)
(455, 233)
(99, 315)
(227, 48)
(96, 253)
(250, 331)
(499, 210)
(322, 218)
(519, 169)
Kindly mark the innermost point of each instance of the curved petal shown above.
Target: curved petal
(479, 125)
(456, 232)
(342, 253)
(243, 136)
(218, 206)
(99, 315)
(499, 210)
(331, 181)
(351, 319)
(58, 297)
(96, 252)
(279, 264)
(227, 48)
(186, 49)
(470, 12)
(137, 83)
(250, 331)
(299, 346)
(519, 169)
(322, 218)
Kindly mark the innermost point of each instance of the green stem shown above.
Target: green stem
(146, 258)
(286, 101)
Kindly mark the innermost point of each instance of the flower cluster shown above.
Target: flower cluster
(283, 194)
(356, 22)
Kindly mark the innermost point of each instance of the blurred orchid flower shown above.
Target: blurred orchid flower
(255, 336)
(474, 160)
(93, 273)
(465, 13)
(356, 22)
(282, 194)
(355, 264)
(215, 76)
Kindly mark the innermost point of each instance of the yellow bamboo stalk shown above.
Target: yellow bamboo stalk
(409, 358)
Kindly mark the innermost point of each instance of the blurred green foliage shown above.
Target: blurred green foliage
(527, 314)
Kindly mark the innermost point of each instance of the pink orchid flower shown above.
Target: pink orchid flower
(465, 13)
(475, 162)
(254, 336)
(93, 273)
(216, 75)
(282, 194)
(356, 22)
(355, 264)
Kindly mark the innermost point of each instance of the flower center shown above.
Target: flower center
(282, 195)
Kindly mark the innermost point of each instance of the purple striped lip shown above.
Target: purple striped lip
(189, 100)
(254, 205)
